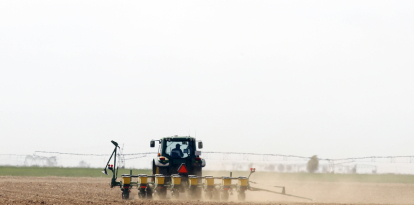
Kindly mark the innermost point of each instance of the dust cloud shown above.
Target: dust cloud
(67, 190)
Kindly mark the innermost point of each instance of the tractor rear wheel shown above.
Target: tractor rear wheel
(198, 171)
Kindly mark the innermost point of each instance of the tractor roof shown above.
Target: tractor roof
(176, 137)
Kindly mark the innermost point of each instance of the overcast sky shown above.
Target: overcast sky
(332, 78)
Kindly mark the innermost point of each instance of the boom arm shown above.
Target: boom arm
(281, 193)
(114, 172)
(252, 170)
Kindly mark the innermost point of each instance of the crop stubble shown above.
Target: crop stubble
(71, 190)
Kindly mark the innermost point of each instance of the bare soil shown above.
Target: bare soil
(70, 190)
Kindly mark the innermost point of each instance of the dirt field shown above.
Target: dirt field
(70, 190)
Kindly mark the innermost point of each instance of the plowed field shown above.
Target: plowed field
(70, 190)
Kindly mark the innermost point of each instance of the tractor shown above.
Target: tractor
(178, 168)
(178, 155)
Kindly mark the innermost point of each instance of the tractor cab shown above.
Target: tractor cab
(174, 153)
(178, 148)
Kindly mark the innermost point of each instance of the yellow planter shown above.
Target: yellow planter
(159, 179)
(242, 181)
(226, 181)
(126, 179)
(209, 181)
(142, 179)
(176, 180)
(193, 180)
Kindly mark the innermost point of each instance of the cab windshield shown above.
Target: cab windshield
(179, 149)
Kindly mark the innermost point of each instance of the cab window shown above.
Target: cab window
(179, 149)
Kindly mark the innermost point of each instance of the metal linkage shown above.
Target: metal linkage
(158, 185)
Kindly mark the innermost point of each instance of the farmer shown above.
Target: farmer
(177, 151)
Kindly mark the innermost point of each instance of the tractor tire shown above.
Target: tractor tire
(198, 171)
(161, 170)
(154, 168)
(164, 171)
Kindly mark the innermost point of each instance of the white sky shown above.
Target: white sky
(332, 78)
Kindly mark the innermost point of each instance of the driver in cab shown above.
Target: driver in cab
(176, 152)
